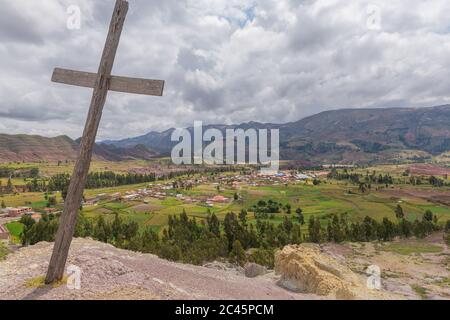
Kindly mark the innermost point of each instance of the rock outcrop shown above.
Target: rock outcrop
(304, 268)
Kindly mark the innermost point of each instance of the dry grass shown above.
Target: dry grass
(39, 282)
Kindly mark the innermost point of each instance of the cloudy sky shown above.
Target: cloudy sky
(224, 61)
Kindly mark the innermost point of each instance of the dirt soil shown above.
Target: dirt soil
(402, 273)
(111, 273)
(433, 195)
(429, 169)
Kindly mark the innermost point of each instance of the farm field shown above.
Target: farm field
(322, 200)
(48, 169)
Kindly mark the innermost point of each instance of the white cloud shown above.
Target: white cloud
(223, 61)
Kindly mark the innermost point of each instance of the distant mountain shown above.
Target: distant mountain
(343, 136)
(338, 136)
(33, 148)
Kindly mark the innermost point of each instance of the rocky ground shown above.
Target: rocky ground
(331, 271)
(412, 269)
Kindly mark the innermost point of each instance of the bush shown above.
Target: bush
(237, 254)
(264, 257)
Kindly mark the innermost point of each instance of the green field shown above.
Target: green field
(411, 248)
(15, 229)
(323, 201)
(47, 169)
(328, 198)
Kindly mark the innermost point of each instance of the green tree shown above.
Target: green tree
(399, 212)
(3, 204)
(287, 225)
(301, 218)
(51, 201)
(102, 230)
(388, 230)
(419, 229)
(237, 254)
(243, 217)
(213, 224)
(405, 228)
(288, 208)
(296, 234)
(232, 228)
(314, 229)
(335, 232)
(9, 186)
(428, 216)
(447, 226)
(116, 228)
(362, 187)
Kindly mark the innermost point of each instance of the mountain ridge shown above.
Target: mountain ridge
(35, 148)
(342, 135)
(335, 136)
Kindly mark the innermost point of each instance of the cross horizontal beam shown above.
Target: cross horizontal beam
(119, 84)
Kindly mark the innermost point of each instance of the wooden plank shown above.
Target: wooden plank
(137, 85)
(119, 84)
(74, 196)
(74, 78)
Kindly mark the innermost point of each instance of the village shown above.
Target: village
(174, 188)
(230, 182)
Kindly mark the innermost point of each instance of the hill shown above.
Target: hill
(337, 136)
(344, 136)
(33, 148)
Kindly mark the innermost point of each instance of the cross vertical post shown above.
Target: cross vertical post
(78, 179)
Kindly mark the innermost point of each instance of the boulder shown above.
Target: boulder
(304, 268)
(253, 270)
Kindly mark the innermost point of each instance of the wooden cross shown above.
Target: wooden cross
(101, 83)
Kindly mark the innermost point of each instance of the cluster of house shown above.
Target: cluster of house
(102, 196)
(257, 179)
(155, 191)
(21, 211)
(160, 191)
(16, 213)
(216, 199)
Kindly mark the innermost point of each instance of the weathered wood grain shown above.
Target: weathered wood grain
(78, 179)
(119, 84)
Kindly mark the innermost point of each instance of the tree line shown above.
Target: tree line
(235, 239)
(95, 180)
(7, 172)
(338, 229)
(357, 178)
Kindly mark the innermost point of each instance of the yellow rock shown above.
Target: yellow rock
(304, 268)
